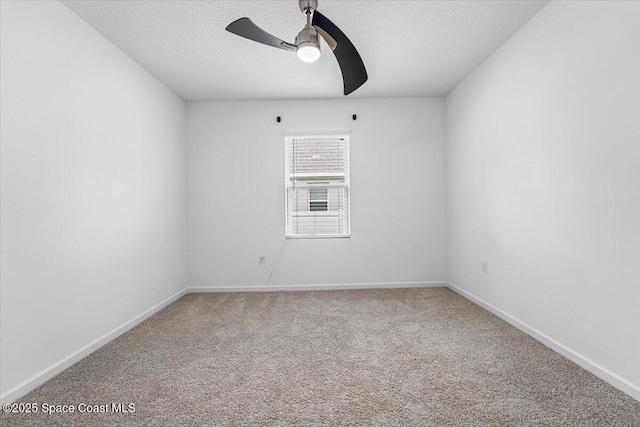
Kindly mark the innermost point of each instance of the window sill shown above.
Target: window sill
(324, 236)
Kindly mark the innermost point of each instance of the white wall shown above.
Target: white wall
(93, 184)
(236, 193)
(543, 181)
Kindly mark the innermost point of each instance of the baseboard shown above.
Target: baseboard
(320, 287)
(48, 373)
(596, 369)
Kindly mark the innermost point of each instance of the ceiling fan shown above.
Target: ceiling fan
(307, 45)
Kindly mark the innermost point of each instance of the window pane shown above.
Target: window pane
(304, 220)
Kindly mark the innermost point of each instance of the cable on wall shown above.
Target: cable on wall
(269, 271)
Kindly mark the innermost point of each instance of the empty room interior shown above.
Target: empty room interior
(332, 212)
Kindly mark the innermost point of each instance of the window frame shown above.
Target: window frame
(346, 185)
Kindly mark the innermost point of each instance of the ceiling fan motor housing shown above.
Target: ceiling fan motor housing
(308, 36)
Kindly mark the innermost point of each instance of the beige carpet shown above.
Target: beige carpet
(368, 357)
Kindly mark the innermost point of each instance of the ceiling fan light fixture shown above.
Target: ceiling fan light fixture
(308, 52)
(307, 44)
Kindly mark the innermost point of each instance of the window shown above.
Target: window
(318, 200)
(317, 186)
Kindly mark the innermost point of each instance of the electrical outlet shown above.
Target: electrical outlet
(262, 259)
(484, 265)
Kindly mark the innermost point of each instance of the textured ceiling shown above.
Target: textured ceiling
(410, 48)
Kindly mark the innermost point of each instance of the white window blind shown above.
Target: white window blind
(317, 185)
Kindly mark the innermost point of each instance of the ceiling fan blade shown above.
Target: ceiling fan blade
(247, 29)
(353, 72)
